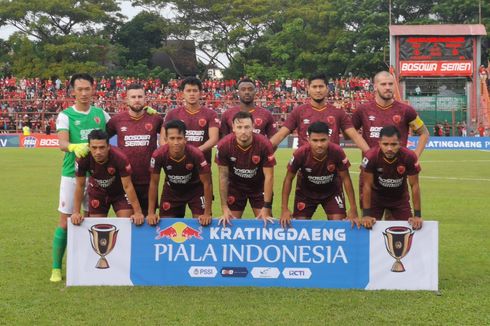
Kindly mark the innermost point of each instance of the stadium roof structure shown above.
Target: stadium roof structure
(441, 30)
(178, 56)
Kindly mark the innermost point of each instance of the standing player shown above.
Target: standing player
(386, 170)
(318, 110)
(263, 122)
(246, 171)
(73, 126)
(202, 124)
(187, 178)
(384, 110)
(109, 182)
(137, 133)
(324, 168)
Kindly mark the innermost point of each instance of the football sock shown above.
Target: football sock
(59, 246)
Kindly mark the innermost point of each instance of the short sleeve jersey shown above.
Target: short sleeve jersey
(78, 125)
(263, 122)
(320, 178)
(390, 176)
(304, 115)
(245, 164)
(197, 125)
(183, 174)
(137, 138)
(372, 118)
(105, 177)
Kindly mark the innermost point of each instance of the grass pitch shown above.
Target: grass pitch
(455, 191)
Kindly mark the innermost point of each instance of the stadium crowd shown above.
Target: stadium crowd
(36, 102)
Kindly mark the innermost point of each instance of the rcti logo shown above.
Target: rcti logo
(30, 142)
(178, 232)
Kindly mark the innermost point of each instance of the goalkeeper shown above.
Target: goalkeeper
(73, 126)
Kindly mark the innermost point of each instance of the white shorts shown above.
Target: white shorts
(67, 193)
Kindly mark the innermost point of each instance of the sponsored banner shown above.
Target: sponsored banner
(311, 254)
(39, 140)
(9, 141)
(473, 143)
(436, 68)
(436, 48)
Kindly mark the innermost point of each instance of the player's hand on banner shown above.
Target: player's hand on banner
(416, 222)
(226, 218)
(204, 219)
(80, 150)
(76, 218)
(152, 219)
(353, 218)
(265, 215)
(368, 222)
(138, 218)
(150, 110)
(285, 219)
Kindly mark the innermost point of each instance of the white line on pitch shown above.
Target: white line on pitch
(441, 178)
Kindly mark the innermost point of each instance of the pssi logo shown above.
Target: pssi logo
(178, 232)
(30, 142)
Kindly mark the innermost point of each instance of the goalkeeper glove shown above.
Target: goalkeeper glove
(80, 150)
(150, 110)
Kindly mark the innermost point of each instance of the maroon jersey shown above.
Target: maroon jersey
(245, 164)
(319, 179)
(304, 115)
(105, 177)
(390, 176)
(137, 138)
(372, 118)
(263, 122)
(180, 175)
(197, 125)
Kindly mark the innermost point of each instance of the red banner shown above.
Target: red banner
(39, 140)
(436, 68)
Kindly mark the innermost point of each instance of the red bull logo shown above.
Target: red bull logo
(178, 232)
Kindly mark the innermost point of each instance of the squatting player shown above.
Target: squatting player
(386, 170)
(202, 124)
(137, 135)
(109, 182)
(187, 178)
(263, 122)
(73, 126)
(246, 171)
(324, 168)
(318, 110)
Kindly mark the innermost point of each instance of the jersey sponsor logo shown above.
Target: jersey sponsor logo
(148, 126)
(308, 170)
(306, 121)
(322, 179)
(371, 118)
(390, 183)
(397, 119)
(255, 159)
(331, 120)
(202, 122)
(194, 135)
(245, 173)
(136, 140)
(374, 132)
(189, 166)
(94, 203)
(166, 205)
(179, 179)
(169, 167)
(111, 170)
(105, 183)
(124, 129)
(331, 168)
(300, 206)
(400, 169)
(77, 122)
(233, 159)
(258, 122)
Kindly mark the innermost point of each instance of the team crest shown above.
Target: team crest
(255, 159)
(166, 206)
(189, 166)
(97, 120)
(400, 169)
(397, 119)
(230, 200)
(94, 203)
(148, 126)
(202, 122)
(111, 170)
(300, 206)
(258, 122)
(331, 120)
(331, 168)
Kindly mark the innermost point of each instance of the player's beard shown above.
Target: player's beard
(384, 98)
(136, 109)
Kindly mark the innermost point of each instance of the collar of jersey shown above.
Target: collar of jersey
(178, 161)
(319, 110)
(192, 113)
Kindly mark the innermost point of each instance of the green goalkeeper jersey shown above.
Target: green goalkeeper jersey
(79, 125)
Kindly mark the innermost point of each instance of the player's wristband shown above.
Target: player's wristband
(417, 213)
(267, 205)
(367, 212)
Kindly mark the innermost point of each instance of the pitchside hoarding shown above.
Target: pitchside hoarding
(312, 254)
(474, 143)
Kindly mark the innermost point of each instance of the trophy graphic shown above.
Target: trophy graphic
(103, 239)
(398, 240)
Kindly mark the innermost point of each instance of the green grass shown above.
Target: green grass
(28, 202)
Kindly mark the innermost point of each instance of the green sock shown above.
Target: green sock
(59, 246)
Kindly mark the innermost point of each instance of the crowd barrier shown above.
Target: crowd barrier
(312, 254)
